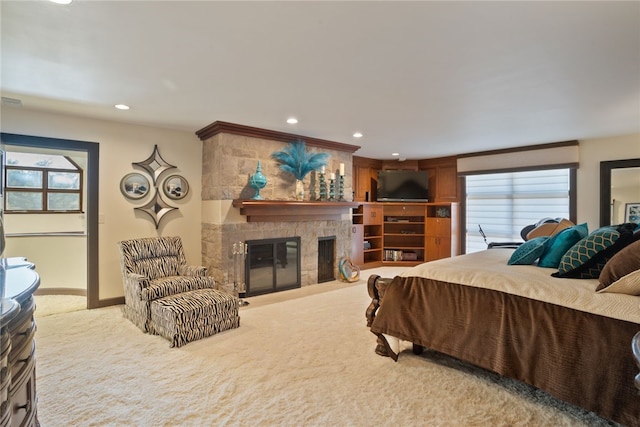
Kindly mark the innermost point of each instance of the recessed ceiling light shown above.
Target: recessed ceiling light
(292, 120)
(61, 1)
(357, 135)
(395, 154)
(122, 107)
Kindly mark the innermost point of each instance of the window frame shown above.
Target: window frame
(573, 191)
(44, 189)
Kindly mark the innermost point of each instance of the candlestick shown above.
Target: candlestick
(323, 187)
(332, 187)
(341, 169)
(341, 189)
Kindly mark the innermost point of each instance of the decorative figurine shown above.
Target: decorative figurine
(258, 181)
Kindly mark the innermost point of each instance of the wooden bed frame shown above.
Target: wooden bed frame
(377, 287)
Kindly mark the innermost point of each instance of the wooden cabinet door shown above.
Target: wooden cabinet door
(444, 247)
(439, 227)
(372, 214)
(438, 240)
(447, 184)
(357, 244)
(363, 183)
(437, 248)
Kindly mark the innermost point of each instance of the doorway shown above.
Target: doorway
(92, 151)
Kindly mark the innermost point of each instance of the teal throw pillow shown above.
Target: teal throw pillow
(559, 244)
(528, 252)
(587, 258)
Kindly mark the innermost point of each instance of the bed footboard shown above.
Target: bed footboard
(635, 346)
(377, 286)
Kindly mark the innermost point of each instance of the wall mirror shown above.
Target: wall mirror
(134, 186)
(619, 189)
(175, 187)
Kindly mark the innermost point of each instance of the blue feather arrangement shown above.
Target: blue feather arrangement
(296, 160)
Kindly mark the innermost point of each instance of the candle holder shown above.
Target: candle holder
(322, 187)
(332, 190)
(341, 188)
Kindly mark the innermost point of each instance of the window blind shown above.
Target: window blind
(504, 203)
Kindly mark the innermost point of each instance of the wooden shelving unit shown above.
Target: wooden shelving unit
(403, 233)
(367, 249)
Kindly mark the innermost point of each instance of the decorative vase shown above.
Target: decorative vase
(299, 190)
(258, 181)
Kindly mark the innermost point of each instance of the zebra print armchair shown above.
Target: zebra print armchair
(153, 268)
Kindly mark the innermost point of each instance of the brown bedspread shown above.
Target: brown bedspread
(581, 358)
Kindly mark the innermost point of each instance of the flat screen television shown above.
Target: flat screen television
(403, 186)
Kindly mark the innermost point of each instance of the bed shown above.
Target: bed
(556, 334)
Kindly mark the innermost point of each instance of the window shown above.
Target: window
(504, 203)
(37, 183)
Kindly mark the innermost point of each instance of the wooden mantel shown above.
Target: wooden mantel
(283, 210)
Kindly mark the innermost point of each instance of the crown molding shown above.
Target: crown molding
(232, 128)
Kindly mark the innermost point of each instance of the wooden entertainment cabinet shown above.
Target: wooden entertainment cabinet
(393, 233)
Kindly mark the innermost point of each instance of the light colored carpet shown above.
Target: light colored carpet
(307, 361)
(47, 305)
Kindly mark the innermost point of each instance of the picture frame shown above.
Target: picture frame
(175, 187)
(632, 212)
(134, 186)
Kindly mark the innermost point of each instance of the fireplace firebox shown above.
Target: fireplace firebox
(272, 265)
(326, 258)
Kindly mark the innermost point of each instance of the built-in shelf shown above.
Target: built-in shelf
(284, 210)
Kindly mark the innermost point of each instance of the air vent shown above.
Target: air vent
(11, 102)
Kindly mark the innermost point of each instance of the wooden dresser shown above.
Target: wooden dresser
(17, 345)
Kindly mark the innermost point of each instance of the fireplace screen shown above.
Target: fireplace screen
(326, 257)
(272, 265)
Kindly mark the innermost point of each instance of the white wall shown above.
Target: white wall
(592, 152)
(60, 259)
(120, 145)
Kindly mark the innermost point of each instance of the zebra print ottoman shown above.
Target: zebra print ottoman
(192, 315)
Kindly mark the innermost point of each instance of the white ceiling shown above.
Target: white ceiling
(425, 79)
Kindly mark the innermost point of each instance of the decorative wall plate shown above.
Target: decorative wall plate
(134, 186)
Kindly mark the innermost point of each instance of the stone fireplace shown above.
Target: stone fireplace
(230, 156)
